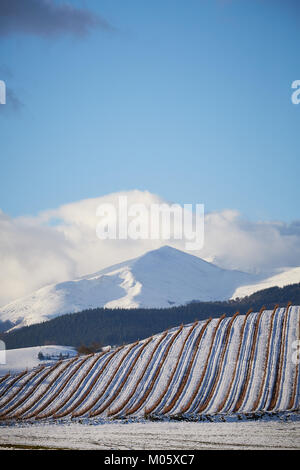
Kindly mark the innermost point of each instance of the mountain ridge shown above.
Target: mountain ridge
(159, 278)
(119, 326)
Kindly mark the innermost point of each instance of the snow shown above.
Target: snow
(269, 435)
(21, 359)
(159, 278)
(30, 403)
(167, 374)
(288, 276)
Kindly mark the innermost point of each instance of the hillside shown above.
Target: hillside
(241, 364)
(17, 360)
(158, 279)
(286, 277)
(119, 326)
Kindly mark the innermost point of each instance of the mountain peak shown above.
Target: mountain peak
(159, 278)
(167, 251)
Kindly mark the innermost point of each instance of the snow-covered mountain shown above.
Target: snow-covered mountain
(159, 278)
(287, 276)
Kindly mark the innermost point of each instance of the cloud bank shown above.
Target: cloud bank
(61, 244)
(47, 18)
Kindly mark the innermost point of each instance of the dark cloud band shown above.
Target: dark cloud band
(47, 18)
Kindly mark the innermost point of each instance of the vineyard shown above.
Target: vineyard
(243, 364)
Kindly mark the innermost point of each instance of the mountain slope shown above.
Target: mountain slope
(242, 364)
(289, 276)
(159, 278)
(121, 326)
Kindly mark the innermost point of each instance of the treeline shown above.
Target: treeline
(119, 326)
(5, 325)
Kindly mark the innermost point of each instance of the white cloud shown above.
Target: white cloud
(234, 242)
(62, 244)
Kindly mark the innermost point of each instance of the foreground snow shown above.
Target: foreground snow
(157, 436)
(21, 359)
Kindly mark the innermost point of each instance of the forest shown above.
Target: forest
(120, 326)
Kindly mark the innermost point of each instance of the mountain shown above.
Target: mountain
(287, 277)
(227, 366)
(121, 326)
(160, 278)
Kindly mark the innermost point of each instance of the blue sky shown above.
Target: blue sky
(189, 100)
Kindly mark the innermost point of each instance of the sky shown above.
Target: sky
(188, 100)
(161, 100)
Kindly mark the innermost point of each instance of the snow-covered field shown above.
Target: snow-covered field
(228, 383)
(21, 359)
(158, 436)
(243, 364)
